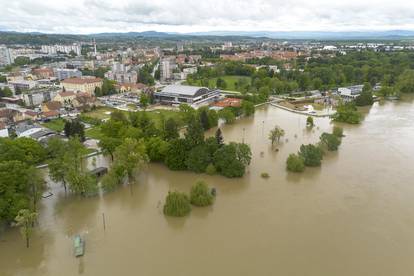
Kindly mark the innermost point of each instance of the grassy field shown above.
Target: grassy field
(230, 80)
(155, 115)
(94, 133)
(100, 112)
(55, 125)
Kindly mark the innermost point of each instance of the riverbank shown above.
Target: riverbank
(318, 113)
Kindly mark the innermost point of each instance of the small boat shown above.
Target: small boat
(78, 246)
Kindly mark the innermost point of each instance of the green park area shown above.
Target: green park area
(232, 83)
(55, 125)
(158, 116)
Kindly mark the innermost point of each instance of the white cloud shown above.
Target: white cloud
(91, 16)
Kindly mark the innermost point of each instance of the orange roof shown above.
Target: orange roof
(81, 80)
(53, 105)
(30, 113)
(51, 113)
(227, 102)
(67, 94)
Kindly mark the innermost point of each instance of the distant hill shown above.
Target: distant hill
(317, 35)
(216, 36)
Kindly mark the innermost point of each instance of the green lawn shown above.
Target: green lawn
(230, 80)
(55, 125)
(156, 115)
(94, 133)
(100, 112)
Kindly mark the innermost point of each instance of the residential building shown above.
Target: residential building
(350, 93)
(64, 73)
(43, 73)
(23, 84)
(67, 49)
(65, 98)
(51, 106)
(192, 95)
(6, 57)
(84, 84)
(39, 96)
(167, 66)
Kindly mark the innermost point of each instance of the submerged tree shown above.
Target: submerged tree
(177, 204)
(200, 194)
(295, 163)
(309, 121)
(275, 134)
(311, 154)
(130, 157)
(25, 219)
(331, 141)
(219, 137)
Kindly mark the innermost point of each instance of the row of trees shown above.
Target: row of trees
(21, 184)
(311, 155)
(163, 142)
(323, 73)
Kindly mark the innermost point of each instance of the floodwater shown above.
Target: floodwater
(352, 216)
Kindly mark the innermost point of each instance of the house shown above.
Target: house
(83, 84)
(31, 115)
(350, 93)
(130, 87)
(43, 73)
(49, 115)
(65, 98)
(191, 95)
(83, 100)
(8, 115)
(49, 106)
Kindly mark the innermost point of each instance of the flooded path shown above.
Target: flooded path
(353, 216)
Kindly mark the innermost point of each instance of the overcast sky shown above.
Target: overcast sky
(94, 16)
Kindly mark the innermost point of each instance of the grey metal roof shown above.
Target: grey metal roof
(182, 89)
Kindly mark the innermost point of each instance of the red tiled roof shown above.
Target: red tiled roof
(81, 80)
(30, 113)
(227, 102)
(67, 94)
(52, 113)
(53, 105)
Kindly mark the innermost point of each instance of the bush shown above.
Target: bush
(311, 154)
(177, 204)
(331, 141)
(264, 175)
(338, 131)
(347, 113)
(309, 121)
(211, 170)
(200, 195)
(295, 163)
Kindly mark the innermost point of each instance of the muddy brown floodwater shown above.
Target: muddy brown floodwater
(353, 216)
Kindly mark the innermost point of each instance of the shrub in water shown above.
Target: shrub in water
(200, 194)
(177, 204)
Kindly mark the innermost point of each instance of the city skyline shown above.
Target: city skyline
(178, 16)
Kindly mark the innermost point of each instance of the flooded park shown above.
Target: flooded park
(352, 216)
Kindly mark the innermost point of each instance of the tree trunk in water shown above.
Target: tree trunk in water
(64, 186)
